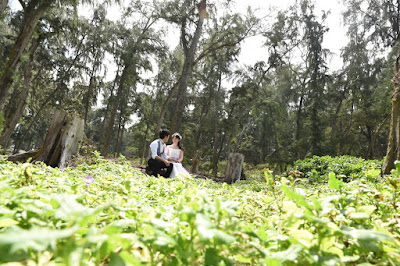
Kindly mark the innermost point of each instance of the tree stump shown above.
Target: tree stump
(61, 142)
(234, 167)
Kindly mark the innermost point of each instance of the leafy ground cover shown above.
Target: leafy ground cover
(109, 213)
(317, 168)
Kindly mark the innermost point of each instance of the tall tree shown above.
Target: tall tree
(188, 65)
(137, 44)
(12, 120)
(316, 69)
(380, 19)
(33, 11)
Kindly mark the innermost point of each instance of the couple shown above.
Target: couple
(166, 157)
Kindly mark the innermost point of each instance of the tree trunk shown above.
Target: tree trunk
(119, 147)
(393, 150)
(164, 107)
(239, 139)
(116, 147)
(72, 136)
(89, 96)
(103, 124)
(10, 125)
(197, 156)
(187, 69)
(3, 5)
(369, 154)
(216, 117)
(51, 149)
(61, 142)
(115, 105)
(234, 167)
(32, 14)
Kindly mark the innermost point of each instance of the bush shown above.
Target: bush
(345, 167)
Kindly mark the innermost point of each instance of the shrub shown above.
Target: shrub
(345, 167)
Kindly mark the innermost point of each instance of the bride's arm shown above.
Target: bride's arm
(180, 157)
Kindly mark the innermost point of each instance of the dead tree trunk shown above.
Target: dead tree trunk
(61, 142)
(234, 167)
(71, 137)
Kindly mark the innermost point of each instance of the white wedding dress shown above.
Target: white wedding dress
(178, 169)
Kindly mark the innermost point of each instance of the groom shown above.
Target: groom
(158, 159)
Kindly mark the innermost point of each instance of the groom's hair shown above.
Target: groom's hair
(163, 133)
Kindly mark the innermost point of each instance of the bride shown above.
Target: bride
(175, 154)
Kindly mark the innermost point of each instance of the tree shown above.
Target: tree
(380, 20)
(33, 11)
(142, 40)
(316, 69)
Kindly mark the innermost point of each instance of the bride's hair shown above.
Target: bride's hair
(180, 146)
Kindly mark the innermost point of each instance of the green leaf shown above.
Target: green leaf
(290, 254)
(368, 209)
(116, 260)
(163, 240)
(36, 238)
(7, 222)
(365, 235)
(300, 200)
(221, 237)
(333, 182)
(359, 217)
(212, 258)
(204, 227)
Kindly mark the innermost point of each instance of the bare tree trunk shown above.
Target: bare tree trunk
(3, 5)
(10, 125)
(89, 96)
(32, 13)
(164, 107)
(187, 69)
(119, 144)
(393, 148)
(204, 112)
(239, 139)
(115, 105)
(216, 117)
(61, 142)
(118, 136)
(234, 167)
(369, 154)
(145, 142)
(11, 105)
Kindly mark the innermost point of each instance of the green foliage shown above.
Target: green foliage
(346, 167)
(128, 218)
